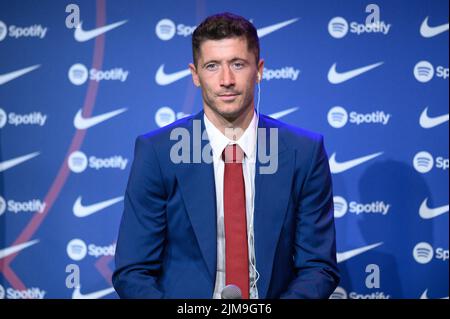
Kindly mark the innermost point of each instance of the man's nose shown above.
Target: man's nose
(227, 77)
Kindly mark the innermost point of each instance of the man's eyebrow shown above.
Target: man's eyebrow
(239, 59)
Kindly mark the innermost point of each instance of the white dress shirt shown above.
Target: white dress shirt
(247, 142)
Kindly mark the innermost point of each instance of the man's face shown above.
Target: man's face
(227, 72)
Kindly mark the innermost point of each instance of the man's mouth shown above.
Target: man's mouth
(228, 96)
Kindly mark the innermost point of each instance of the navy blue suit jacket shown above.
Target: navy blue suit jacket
(167, 239)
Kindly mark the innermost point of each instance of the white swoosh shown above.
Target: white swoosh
(82, 123)
(341, 257)
(82, 211)
(15, 74)
(5, 252)
(164, 79)
(16, 161)
(93, 295)
(272, 28)
(280, 114)
(82, 35)
(427, 213)
(336, 167)
(428, 32)
(425, 295)
(335, 77)
(429, 122)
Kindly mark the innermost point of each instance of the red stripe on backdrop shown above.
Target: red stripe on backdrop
(75, 145)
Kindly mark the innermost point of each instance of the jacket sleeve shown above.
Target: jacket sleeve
(317, 274)
(142, 232)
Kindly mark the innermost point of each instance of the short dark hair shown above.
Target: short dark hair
(222, 26)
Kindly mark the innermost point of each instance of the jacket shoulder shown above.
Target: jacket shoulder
(293, 136)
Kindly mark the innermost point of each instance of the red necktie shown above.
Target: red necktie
(236, 249)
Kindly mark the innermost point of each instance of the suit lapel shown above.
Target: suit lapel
(272, 193)
(197, 185)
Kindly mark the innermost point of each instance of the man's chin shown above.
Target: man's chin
(228, 111)
(231, 115)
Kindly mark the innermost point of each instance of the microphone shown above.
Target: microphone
(231, 292)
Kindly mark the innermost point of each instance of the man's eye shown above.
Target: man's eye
(211, 67)
(238, 65)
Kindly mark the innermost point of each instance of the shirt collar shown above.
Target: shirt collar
(218, 141)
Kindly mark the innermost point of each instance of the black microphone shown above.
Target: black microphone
(231, 292)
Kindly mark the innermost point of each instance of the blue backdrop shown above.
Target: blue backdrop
(372, 78)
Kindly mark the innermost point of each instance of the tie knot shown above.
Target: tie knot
(233, 154)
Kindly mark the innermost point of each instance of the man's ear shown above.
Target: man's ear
(260, 69)
(195, 78)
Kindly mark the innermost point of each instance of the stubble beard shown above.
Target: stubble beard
(230, 117)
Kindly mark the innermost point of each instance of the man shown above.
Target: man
(193, 224)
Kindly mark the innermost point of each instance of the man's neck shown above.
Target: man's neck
(232, 128)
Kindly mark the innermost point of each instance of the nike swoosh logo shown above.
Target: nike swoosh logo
(336, 167)
(341, 257)
(272, 28)
(280, 114)
(164, 79)
(16, 161)
(427, 213)
(82, 35)
(93, 295)
(425, 295)
(428, 32)
(335, 77)
(82, 211)
(15, 74)
(430, 122)
(5, 252)
(82, 123)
